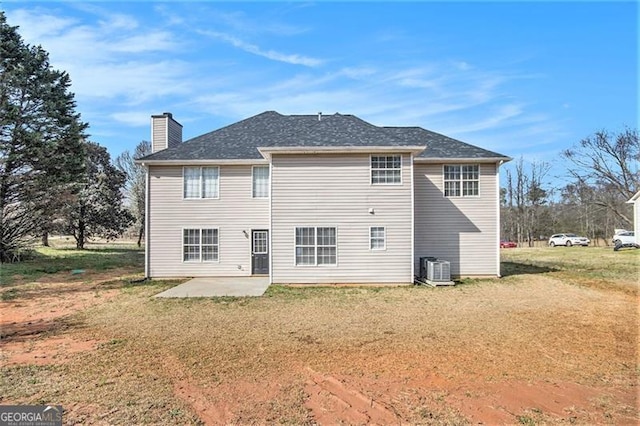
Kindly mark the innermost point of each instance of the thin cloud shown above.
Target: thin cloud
(114, 59)
(132, 118)
(294, 59)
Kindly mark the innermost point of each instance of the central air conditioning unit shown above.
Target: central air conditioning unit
(435, 272)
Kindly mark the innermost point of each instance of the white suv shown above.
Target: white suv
(625, 238)
(568, 240)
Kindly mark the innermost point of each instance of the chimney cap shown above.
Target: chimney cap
(167, 114)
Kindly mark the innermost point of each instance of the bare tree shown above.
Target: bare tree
(134, 186)
(97, 209)
(525, 201)
(608, 163)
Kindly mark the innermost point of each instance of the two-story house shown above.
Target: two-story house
(316, 199)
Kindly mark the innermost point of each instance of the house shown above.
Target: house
(635, 200)
(317, 199)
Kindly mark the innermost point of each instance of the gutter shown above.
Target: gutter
(213, 162)
(498, 164)
(441, 160)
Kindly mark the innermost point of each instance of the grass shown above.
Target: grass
(556, 317)
(587, 266)
(64, 259)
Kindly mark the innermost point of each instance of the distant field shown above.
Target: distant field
(62, 256)
(554, 341)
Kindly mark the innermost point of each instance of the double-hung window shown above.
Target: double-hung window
(260, 182)
(201, 182)
(377, 238)
(316, 246)
(386, 169)
(200, 245)
(461, 180)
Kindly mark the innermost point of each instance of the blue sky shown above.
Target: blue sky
(522, 79)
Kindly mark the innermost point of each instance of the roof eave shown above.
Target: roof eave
(462, 159)
(213, 161)
(635, 198)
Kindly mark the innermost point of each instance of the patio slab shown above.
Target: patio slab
(219, 287)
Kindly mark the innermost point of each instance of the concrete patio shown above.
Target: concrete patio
(219, 287)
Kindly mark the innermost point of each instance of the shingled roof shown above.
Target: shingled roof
(241, 140)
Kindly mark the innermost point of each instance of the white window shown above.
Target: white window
(260, 181)
(377, 238)
(200, 245)
(462, 180)
(386, 169)
(316, 246)
(201, 182)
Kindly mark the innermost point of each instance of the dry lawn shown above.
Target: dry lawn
(555, 341)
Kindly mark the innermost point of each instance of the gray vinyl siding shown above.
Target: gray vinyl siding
(234, 212)
(335, 191)
(462, 230)
(158, 133)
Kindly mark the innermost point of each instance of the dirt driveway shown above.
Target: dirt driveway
(525, 349)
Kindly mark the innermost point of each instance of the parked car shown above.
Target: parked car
(508, 244)
(625, 239)
(568, 240)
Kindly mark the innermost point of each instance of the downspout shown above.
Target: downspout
(270, 220)
(497, 246)
(413, 225)
(147, 238)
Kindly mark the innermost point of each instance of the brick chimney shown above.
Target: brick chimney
(165, 132)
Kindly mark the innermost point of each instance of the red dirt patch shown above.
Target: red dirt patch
(333, 402)
(196, 397)
(42, 307)
(503, 402)
(54, 350)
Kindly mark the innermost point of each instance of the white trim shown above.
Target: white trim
(253, 241)
(385, 183)
(413, 224)
(461, 181)
(270, 223)
(199, 228)
(497, 247)
(268, 231)
(201, 184)
(212, 162)
(384, 238)
(147, 239)
(318, 150)
(268, 183)
(461, 160)
(315, 239)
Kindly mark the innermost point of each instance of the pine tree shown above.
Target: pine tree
(40, 137)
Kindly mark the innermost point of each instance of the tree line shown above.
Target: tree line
(603, 174)
(52, 177)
